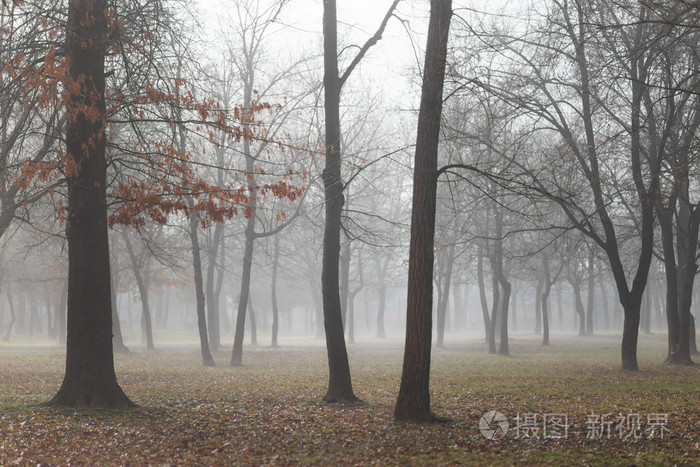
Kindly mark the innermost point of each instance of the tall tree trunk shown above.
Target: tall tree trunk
(243, 298)
(504, 301)
(413, 402)
(339, 380)
(89, 379)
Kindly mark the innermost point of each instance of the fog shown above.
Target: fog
(255, 187)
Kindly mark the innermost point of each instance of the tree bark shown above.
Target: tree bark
(413, 402)
(89, 380)
(339, 381)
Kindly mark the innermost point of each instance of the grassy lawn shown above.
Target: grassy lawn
(270, 412)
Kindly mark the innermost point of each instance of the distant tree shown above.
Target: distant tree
(413, 402)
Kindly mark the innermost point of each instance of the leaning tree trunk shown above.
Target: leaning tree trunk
(89, 379)
(413, 402)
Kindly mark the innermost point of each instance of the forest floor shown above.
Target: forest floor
(568, 403)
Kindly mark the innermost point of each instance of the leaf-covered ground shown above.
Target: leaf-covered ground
(270, 412)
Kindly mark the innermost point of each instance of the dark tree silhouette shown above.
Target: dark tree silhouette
(89, 380)
(413, 403)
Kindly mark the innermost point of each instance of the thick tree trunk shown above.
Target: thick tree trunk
(413, 402)
(89, 379)
(339, 380)
(117, 341)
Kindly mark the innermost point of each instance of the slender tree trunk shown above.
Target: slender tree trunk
(495, 307)
(545, 298)
(413, 402)
(590, 303)
(253, 322)
(538, 305)
(580, 310)
(482, 294)
(273, 291)
(143, 293)
(89, 379)
(606, 306)
(207, 358)
(381, 307)
(213, 319)
(339, 380)
(237, 353)
(444, 295)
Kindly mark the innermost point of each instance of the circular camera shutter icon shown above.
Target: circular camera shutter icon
(493, 425)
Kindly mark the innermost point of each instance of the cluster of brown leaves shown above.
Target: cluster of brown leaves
(269, 412)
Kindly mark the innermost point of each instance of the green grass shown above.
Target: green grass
(270, 412)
